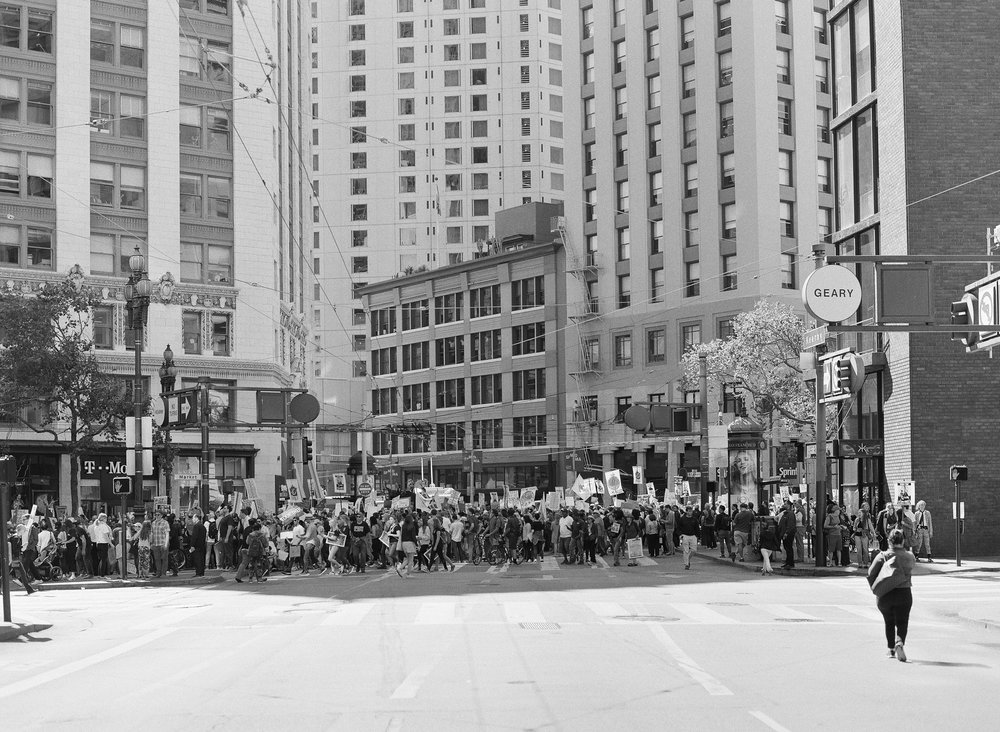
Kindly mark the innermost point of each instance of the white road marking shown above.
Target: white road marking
(609, 612)
(712, 685)
(71, 668)
(350, 614)
(411, 684)
(550, 564)
(523, 612)
(703, 614)
(768, 721)
(602, 563)
(267, 611)
(436, 613)
(784, 612)
(646, 562)
(177, 616)
(863, 611)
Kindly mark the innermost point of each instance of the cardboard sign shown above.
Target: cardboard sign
(289, 514)
(578, 485)
(637, 475)
(612, 479)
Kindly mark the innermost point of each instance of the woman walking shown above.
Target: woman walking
(864, 532)
(890, 579)
(439, 541)
(708, 527)
(768, 538)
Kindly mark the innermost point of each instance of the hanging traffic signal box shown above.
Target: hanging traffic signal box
(843, 375)
(963, 312)
(307, 450)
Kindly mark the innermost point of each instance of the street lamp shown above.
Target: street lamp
(137, 292)
(168, 377)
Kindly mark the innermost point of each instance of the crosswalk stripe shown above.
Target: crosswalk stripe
(862, 611)
(783, 612)
(703, 614)
(436, 613)
(602, 563)
(177, 616)
(608, 611)
(523, 612)
(549, 564)
(350, 614)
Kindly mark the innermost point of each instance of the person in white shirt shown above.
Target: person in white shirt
(102, 540)
(457, 529)
(565, 535)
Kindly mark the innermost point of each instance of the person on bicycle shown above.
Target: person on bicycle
(494, 530)
(512, 531)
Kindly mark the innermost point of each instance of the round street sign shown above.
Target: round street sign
(364, 489)
(831, 293)
(304, 408)
(159, 411)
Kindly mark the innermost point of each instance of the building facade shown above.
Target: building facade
(429, 117)
(913, 125)
(129, 124)
(473, 354)
(701, 183)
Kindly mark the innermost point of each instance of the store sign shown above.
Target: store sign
(95, 466)
(859, 448)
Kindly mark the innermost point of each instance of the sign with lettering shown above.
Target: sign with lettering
(94, 467)
(832, 293)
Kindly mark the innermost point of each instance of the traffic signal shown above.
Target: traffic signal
(959, 472)
(842, 372)
(121, 485)
(963, 312)
(307, 450)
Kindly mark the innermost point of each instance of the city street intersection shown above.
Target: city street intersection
(538, 646)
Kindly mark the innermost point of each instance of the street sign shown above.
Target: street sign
(831, 293)
(815, 337)
(364, 489)
(182, 408)
(159, 411)
(121, 485)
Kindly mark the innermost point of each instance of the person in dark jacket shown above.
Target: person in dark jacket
(688, 527)
(786, 534)
(199, 536)
(175, 537)
(895, 603)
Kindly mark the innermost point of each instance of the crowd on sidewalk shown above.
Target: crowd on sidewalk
(415, 541)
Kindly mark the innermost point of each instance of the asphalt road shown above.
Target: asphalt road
(531, 647)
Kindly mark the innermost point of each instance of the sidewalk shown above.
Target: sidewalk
(981, 615)
(185, 578)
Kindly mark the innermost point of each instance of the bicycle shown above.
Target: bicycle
(500, 553)
(258, 568)
(478, 548)
(176, 560)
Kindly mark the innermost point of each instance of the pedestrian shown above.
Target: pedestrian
(786, 534)
(457, 531)
(832, 532)
(590, 540)
(688, 528)
(199, 545)
(708, 527)
(722, 532)
(890, 579)
(102, 539)
(424, 545)
(616, 534)
(634, 526)
(742, 524)
(883, 526)
(652, 528)
(538, 536)
(668, 525)
(66, 539)
(408, 542)
(29, 550)
(175, 541)
(360, 531)
(439, 542)
(768, 541)
(924, 531)
(211, 537)
(143, 545)
(864, 531)
(527, 540)
(565, 534)
(800, 530)
(159, 544)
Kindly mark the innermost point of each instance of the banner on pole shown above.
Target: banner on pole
(612, 479)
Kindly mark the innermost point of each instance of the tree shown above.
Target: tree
(47, 362)
(760, 361)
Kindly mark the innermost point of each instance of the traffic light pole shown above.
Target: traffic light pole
(206, 459)
(958, 525)
(137, 461)
(820, 498)
(4, 559)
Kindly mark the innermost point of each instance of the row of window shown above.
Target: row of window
(526, 385)
(451, 351)
(529, 431)
(26, 28)
(358, 7)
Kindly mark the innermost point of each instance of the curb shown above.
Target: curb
(802, 570)
(10, 631)
(116, 584)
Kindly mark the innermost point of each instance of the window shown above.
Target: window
(656, 345)
(359, 108)
(486, 345)
(588, 68)
(621, 102)
(527, 293)
(725, 68)
(480, 207)
(407, 210)
(406, 106)
(404, 6)
(785, 168)
(656, 284)
(35, 36)
(529, 384)
(102, 41)
(822, 76)
(788, 272)
(208, 263)
(823, 125)
(359, 265)
(416, 397)
(449, 351)
(622, 405)
(450, 393)
(784, 66)
(36, 173)
(624, 246)
(690, 336)
(727, 328)
(103, 327)
(450, 437)
(621, 197)
(691, 229)
(691, 179)
(529, 431)
(527, 339)
(624, 295)
(692, 279)
(619, 56)
(656, 188)
(852, 55)
(29, 247)
(587, 22)
(383, 320)
(448, 308)
(210, 194)
(781, 15)
(823, 174)
(357, 33)
(785, 116)
(728, 170)
(690, 129)
(130, 182)
(653, 94)
(132, 51)
(383, 361)
(477, 25)
(618, 13)
(589, 113)
(477, 51)
(786, 218)
(356, 7)
(687, 81)
(653, 44)
(357, 57)
(729, 221)
(655, 236)
(407, 184)
(416, 356)
(687, 32)
(655, 139)
(477, 77)
(724, 17)
(726, 127)
(819, 25)
(728, 272)
(191, 332)
(487, 434)
(479, 102)
(857, 169)
(405, 29)
(384, 401)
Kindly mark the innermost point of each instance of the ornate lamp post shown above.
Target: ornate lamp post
(137, 292)
(168, 378)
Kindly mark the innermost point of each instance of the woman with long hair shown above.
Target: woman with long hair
(890, 579)
(143, 547)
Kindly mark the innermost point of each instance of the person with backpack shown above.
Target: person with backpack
(889, 577)
(256, 547)
(211, 537)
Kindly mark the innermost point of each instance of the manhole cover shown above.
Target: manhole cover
(796, 620)
(647, 618)
(539, 626)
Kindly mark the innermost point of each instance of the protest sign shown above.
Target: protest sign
(612, 479)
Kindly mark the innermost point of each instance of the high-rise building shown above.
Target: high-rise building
(917, 149)
(429, 118)
(700, 182)
(125, 124)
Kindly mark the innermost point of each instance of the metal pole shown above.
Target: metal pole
(4, 559)
(958, 525)
(203, 382)
(137, 314)
(703, 387)
(820, 469)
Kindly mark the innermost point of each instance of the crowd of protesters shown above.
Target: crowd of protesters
(417, 541)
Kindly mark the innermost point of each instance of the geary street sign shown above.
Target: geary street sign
(832, 293)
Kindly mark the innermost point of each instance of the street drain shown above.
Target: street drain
(539, 626)
(646, 618)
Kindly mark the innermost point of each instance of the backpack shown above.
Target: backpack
(213, 530)
(255, 545)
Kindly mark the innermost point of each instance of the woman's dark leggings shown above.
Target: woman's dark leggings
(438, 553)
(895, 608)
